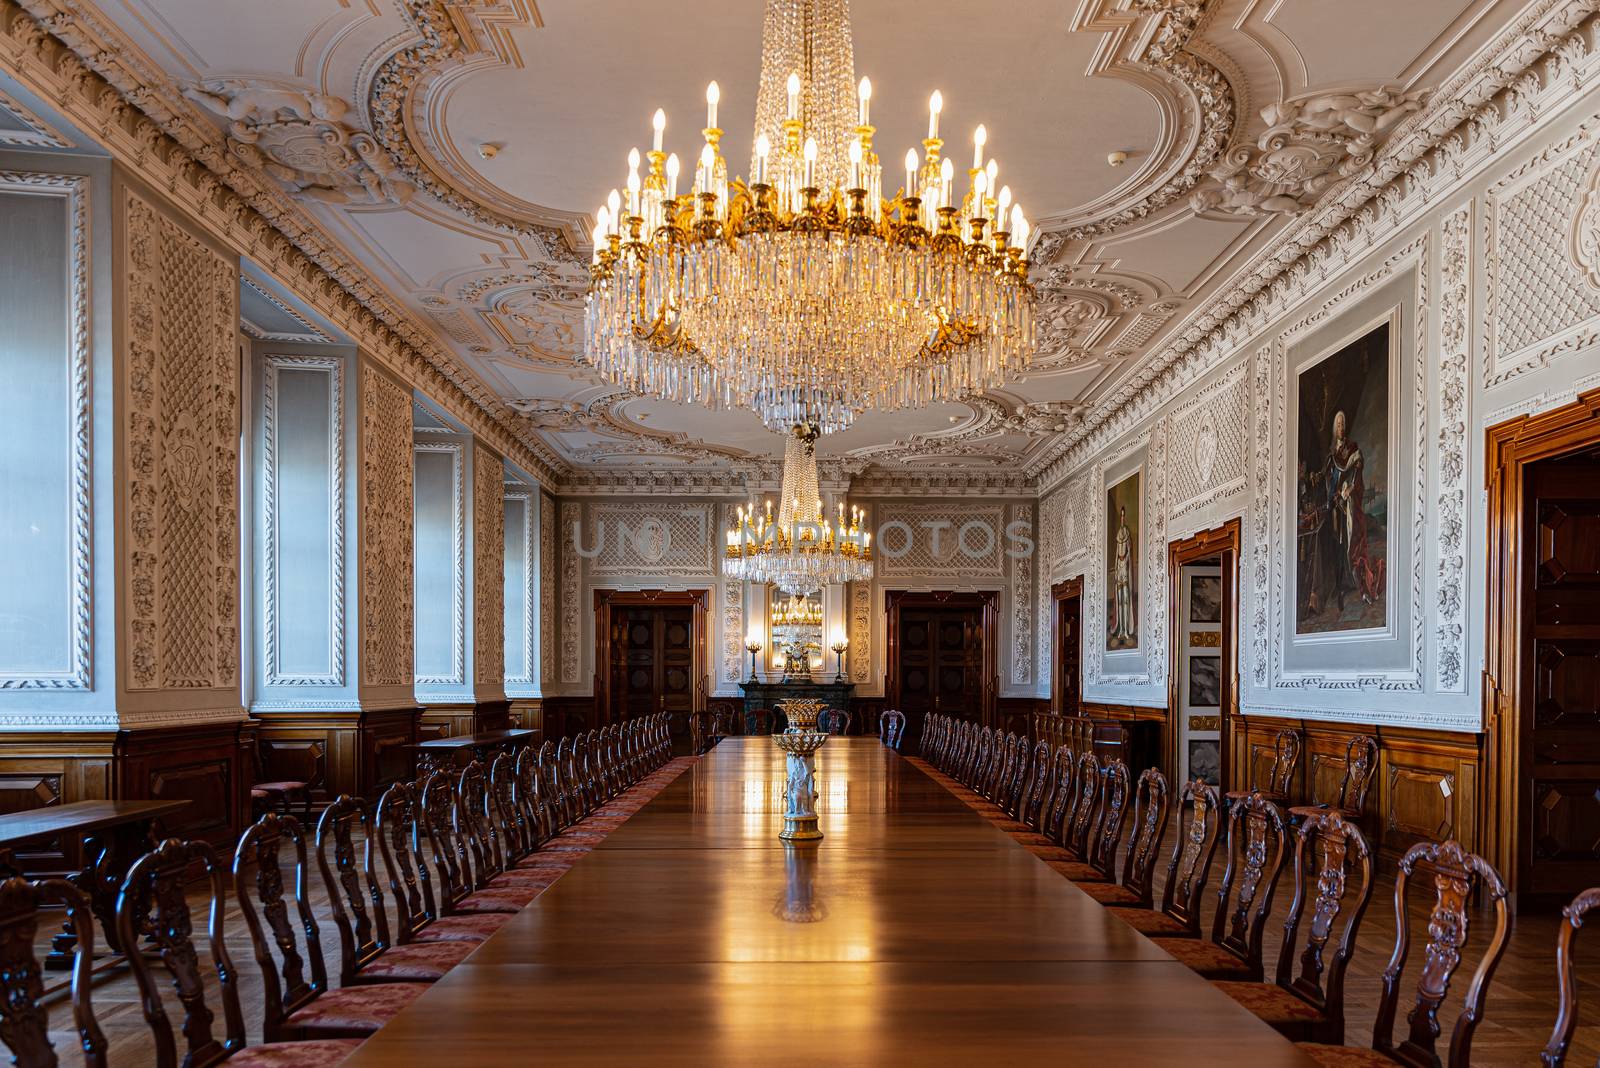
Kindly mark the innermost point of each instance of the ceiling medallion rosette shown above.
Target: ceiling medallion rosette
(803, 293)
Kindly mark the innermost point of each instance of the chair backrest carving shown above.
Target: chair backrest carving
(834, 721)
(1199, 818)
(1151, 807)
(1328, 851)
(1113, 822)
(1257, 849)
(1038, 786)
(1454, 871)
(24, 1022)
(1360, 765)
(258, 866)
(1064, 794)
(399, 834)
(1086, 808)
(1555, 1051)
(363, 934)
(892, 729)
(152, 903)
(1285, 758)
(450, 860)
(472, 824)
(758, 721)
(1005, 783)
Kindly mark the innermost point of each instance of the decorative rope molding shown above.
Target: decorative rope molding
(65, 52)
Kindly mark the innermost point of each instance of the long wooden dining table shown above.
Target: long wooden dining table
(914, 932)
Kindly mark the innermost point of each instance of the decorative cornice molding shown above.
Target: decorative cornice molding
(39, 134)
(65, 52)
(1536, 65)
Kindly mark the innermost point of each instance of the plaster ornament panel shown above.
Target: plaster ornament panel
(1311, 142)
(571, 595)
(548, 539)
(860, 632)
(489, 567)
(1451, 455)
(77, 668)
(1022, 604)
(181, 426)
(34, 132)
(273, 517)
(1156, 586)
(387, 547)
(300, 329)
(732, 616)
(626, 541)
(457, 675)
(935, 540)
(1543, 224)
(1408, 412)
(1215, 427)
(304, 139)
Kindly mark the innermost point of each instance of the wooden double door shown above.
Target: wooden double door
(942, 655)
(652, 661)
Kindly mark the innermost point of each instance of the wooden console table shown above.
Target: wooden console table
(440, 752)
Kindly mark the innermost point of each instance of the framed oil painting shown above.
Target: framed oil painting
(1205, 599)
(1205, 760)
(1344, 435)
(1123, 519)
(1205, 681)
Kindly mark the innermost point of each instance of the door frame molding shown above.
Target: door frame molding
(987, 601)
(1223, 541)
(1064, 590)
(606, 600)
(1509, 447)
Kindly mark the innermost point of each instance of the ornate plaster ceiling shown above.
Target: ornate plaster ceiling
(456, 150)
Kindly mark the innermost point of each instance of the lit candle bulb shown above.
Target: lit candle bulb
(713, 94)
(794, 95)
(1004, 207)
(855, 166)
(811, 162)
(911, 172)
(935, 105)
(633, 193)
(658, 123)
(600, 229)
(708, 166)
(1019, 228)
(614, 202)
(992, 169)
(980, 137)
(763, 148)
(864, 95)
(673, 167)
(947, 176)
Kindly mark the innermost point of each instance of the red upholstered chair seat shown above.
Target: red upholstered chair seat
(1032, 840)
(418, 962)
(359, 1009)
(472, 927)
(286, 786)
(1206, 958)
(562, 861)
(532, 878)
(498, 899)
(1049, 852)
(1150, 922)
(1077, 871)
(1289, 1016)
(1110, 893)
(324, 1053)
(1344, 1056)
(1011, 826)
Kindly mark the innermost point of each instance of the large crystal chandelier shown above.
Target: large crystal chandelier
(804, 294)
(800, 550)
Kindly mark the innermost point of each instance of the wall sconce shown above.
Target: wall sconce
(754, 647)
(840, 644)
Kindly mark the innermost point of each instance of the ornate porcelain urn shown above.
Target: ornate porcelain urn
(800, 740)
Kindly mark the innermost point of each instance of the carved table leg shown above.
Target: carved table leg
(100, 880)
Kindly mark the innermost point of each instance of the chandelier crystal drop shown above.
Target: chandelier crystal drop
(803, 293)
(801, 550)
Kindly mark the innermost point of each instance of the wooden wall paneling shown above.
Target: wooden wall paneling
(567, 715)
(446, 721)
(528, 713)
(604, 602)
(357, 752)
(39, 769)
(201, 764)
(1427, 788)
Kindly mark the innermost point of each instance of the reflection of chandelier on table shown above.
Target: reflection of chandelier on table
(803, 294)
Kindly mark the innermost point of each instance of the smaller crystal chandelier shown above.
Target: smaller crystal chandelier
(800, 551)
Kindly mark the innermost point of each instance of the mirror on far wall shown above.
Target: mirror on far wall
(794, 633)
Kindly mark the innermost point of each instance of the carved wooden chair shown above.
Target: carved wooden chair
(834, 721)
(462, 889)
(366, 952)
(1257, 850)
(1307, 1004)
(1002, 809)
(276, 793)
(1058, 810)
(1151, 806)
(1038, 789)
(1280, 774)
(1554, 1054)
(1103, 832)
(1456, 873)
(298, 1002)
(1085, 808)
(1360, 766)
(758, 721)
(999, 774)
(1187, 871)
(1014, 791)
(892, 728)
(399, 833)
(24, 1022)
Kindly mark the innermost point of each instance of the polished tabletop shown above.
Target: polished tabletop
(81, 817)
(914, 931)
